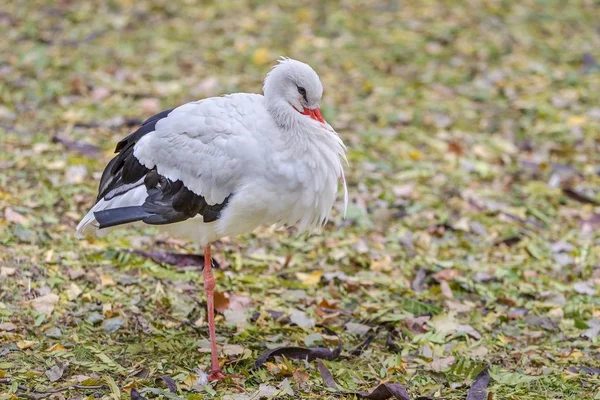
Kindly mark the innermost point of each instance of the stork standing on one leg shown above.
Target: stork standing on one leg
(223, 166)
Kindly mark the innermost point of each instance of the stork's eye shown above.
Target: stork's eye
(302, 92)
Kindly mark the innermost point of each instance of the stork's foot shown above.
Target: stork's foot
(216, 375)
(219, 376)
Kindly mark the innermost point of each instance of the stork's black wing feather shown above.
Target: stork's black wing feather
(167, 201)
(124, 168)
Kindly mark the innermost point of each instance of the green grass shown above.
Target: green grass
(472, 129)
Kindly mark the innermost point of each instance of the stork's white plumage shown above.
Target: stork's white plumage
(223, 166)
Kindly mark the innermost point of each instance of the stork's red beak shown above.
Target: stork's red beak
(314, 114)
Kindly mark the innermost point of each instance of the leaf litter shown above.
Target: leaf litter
(472, 234)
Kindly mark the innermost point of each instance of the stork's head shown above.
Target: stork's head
(297, 84)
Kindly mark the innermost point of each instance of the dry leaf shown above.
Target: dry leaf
(73, 291)
(446, 290)
(45, 304)
(7, 271)
(221, 301)
(25, 344)
(106, 280)
(309, 279)
(233, 350)
(56, 372)
(12, 216)
(261, 56)
(446, 275)
(300, 376)
(442, 363)
(56, 347)
(301, 319)
(417, 325)
(7, 326)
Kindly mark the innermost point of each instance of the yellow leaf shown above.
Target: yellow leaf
(261, 56)
(384, 264)
(576, 120)
(576, 354)
(131, 385)
(56, 347)
(107, 310)
(2, 373)
(25, 344)
(115, 392)
(309, 279)
(190, 380)
(415, 155)
(303, 14)
(106, 280)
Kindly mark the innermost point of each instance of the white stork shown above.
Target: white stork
(223, 166)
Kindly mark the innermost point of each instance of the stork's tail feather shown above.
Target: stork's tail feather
(122, 209)
(119, 216)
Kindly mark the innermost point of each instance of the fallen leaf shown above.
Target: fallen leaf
(301, 319)
(7, 326)
(382, 392)
(585, 370)
(357, 329)
(541, 322)
(176, 259)
(442, 363)
(56, 347)
(309, 279)
(299, 353)
(261, 56)
(585, 288)
(171, 385)
(135, 395)
(417, 325)
(75, 174)
(445, 323)
(113, 324)
(7, 271)
(469, 330)
(417, 283)
(56, 372)
(73, 291)
(358, 350)
(233, 350)
(478, 389)
(594, 329)
(300, 376)
(478, 352)
(446, 275)
(221, 301)
(236, 318)
(45, 304)
(312, 339)
(71, 145)
(25, 344)
(100, 93)
(151, 106)
(107, 280)
(14, 217)
(446, 290)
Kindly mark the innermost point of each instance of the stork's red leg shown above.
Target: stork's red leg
(209, 285)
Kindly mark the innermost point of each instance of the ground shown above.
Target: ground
(471, 239)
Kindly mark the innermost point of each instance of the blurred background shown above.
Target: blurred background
(474, 179)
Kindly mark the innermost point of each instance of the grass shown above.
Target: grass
(471, 238)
